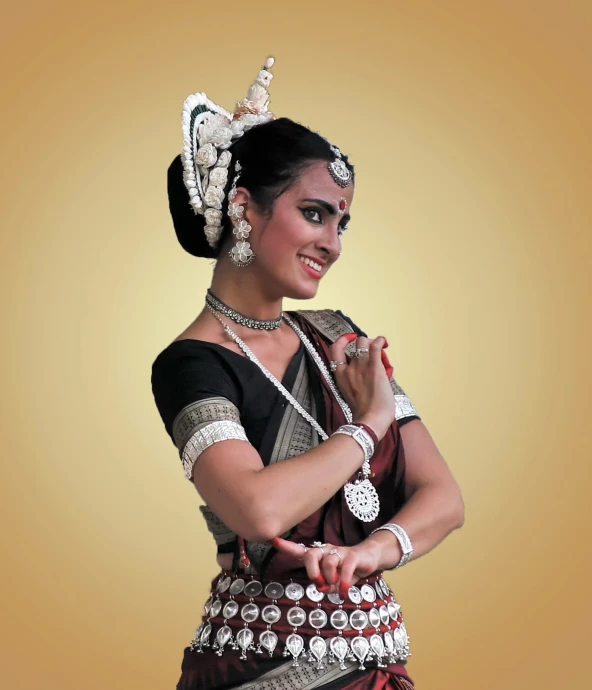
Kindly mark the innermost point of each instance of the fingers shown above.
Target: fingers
(387, 365)
(346, 574)
(337, 349)
(289, 547)
(329, 566)
(375, 348)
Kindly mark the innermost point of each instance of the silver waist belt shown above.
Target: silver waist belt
(294, 618)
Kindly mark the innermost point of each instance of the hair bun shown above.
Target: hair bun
(189, 226)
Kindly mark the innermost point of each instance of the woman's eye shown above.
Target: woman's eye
(312, 210)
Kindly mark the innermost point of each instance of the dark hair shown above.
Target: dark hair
(272, 158)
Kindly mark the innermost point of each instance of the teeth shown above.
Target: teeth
(311, 263)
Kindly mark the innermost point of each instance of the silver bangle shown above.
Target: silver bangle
(404, 541)
(359, 434)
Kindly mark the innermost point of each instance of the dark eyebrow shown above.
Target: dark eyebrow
(329, 208)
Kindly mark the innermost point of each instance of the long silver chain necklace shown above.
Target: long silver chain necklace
(361, 496)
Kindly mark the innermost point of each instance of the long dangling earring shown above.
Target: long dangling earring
(241, 254)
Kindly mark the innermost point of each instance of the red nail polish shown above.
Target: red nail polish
(351, 337)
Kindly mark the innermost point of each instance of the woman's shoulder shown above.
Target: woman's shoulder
(195, 350)
(332, 323)
(197, 365)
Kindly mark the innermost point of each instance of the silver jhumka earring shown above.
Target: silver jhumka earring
(241, 254)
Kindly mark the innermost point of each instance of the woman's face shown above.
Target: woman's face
(306, 226)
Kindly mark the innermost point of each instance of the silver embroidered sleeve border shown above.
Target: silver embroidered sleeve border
(203, 438)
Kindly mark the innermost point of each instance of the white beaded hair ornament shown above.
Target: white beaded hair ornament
(208, 130)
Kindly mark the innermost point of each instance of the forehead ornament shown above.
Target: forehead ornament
(338, 169)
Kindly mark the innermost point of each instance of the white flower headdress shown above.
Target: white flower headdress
(208, 131)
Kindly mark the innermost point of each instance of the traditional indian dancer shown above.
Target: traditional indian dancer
(316, 471)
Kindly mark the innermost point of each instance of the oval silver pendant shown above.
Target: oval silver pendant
(237, 586)
(318, 647)
(388, 643)
(250, 613)
(230, 609)
(223, 585)
(295, 645)
(317, 619)
(205, 635)
(393, 610)
(377, 646)
(216, 608)
(384, 615)
(338, 645)
(274, 590)
(339, 619)
(296, 616)
(368, 593)
(268, 640)
(208, 605)
(385, 588)
(253, 588)
(374, 618)
(223, 635)
(360, 647)
(244, 638)
(358, 619)
(313, 593)
(362, 500)
(271, 614)
(294, 591)
(354, 595)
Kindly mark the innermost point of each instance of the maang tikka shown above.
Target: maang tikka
(241, 254)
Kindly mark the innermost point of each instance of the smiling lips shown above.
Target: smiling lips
(312, 267)
(310, 262)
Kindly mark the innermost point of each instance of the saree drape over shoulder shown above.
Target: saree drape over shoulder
(196, 383)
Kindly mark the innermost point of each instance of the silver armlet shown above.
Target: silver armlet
(210, 433)
(361, 436)
(403, 537)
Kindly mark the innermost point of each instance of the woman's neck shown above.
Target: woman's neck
(240, 290)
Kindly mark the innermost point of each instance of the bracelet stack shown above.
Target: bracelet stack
(361, 496)
(404, 541)
(358, 433)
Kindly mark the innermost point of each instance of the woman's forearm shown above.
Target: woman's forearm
(428, 517)
(290, 491)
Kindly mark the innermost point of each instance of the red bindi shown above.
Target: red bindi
(342, 205)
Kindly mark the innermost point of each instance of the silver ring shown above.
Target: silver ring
(334, 552)
(360, 351)
(334, 365)
(318, 545)
(305, 550)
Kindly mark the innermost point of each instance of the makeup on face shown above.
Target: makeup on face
(332, 210)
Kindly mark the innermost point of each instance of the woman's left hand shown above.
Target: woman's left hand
(332, 572)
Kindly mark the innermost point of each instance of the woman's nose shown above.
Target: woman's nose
(330, 243)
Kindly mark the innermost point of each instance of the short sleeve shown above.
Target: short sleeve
(405, 411)
(198, 400)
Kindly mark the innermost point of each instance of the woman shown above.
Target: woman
(316, 471)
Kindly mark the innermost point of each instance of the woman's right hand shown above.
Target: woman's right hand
(364, 383)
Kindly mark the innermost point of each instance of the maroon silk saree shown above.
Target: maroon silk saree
(212, 667)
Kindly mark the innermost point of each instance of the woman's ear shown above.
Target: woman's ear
(243, 198)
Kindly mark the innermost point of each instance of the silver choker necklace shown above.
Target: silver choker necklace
(237, 317)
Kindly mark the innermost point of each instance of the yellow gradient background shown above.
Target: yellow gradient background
(469, 248)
